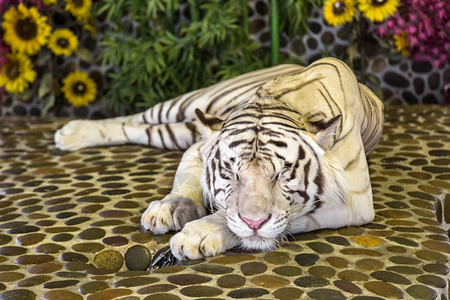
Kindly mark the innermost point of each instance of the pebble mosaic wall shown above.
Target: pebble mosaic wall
(69, 225)
(401, 81)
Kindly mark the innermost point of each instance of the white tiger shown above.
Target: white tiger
(272, 152)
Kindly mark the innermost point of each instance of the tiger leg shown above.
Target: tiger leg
(184, 203)
(81, 134)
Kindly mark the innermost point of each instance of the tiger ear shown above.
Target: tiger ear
(209, 122)
(326, 131)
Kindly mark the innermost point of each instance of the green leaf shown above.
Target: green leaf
(85, 54)
(45, 85)
(48, 104)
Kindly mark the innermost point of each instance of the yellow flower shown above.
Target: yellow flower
(49, 2)
(378, 10)
(79, 89)
(17, 73)
(89, 24)
(63, 42)
(338, 12)
(25, 30)
(402, 44)
(79, 8)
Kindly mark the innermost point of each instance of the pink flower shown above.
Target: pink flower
(4, 50)
(6, 4)
(426, 24)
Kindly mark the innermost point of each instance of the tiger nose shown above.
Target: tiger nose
(255, 225)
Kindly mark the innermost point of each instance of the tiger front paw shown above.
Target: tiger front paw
(77, 134)
(171, 214)
(199, 239)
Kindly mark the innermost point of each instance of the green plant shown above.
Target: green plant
(163, 48)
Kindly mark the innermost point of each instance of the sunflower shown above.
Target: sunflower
(17, 73)
(62, 42)
(378, 10)
(79, 8)
(89, 24)
(49, 2)
(402, 43)
(338, 12)
(25, 30)
(79, 89)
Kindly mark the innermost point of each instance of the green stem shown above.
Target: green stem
(274, 33)
(244, 7)
(194, 11)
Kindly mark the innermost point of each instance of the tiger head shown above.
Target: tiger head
(266, 170)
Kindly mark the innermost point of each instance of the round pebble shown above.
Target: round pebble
(288, 293)
(351, 275)
(384, 289)
(390, 277)
(421, 292)
(231, 281)
(200, 291)
(306, 260)
(212, 269)
(337, 262)
(188, 279)
(248, 293)
(253, 268)
(34, 280)
(367, 240)
(157, 288)
(137, 258)
(92, 287)
(321, 248)
(369, 264)
(432, 280)
(44, 268)
(61, 294)
(288, 271)
(115, 241)
(347, 286)
(18, 294)
(72, 256)
(437, 268)
(321, 271)
(34, 259)
(10, 276)
(88, 247)
(59, 284)
(109, 259)
(92, 234)
(323, 294)
(135, 281)
(311, 281)
(277, 258)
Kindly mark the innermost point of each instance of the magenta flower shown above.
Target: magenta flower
(425, 23)
(4, 50)
(6, 4)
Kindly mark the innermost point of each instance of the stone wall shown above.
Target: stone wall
(400, 80)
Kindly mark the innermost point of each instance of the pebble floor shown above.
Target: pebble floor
(69, 225)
